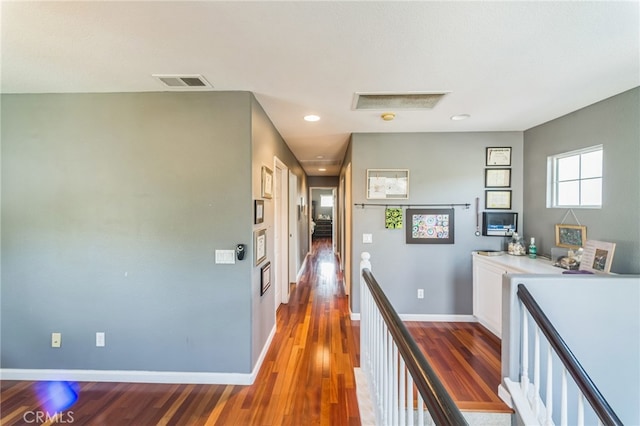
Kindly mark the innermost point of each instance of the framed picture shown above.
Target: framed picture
(260, 245)
(497, 178)
(597, 256)
(267, 182)
(265, 278)
(498, 156)
(571, 236)
(384, 184)
(258, 211)
(430, 226)
(495, 199)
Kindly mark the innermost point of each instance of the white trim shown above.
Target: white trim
(505, 396)
(354, 316)
(437, 318)
(132, 376)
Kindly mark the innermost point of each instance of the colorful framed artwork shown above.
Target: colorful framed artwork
(571, 236)
(430, 226)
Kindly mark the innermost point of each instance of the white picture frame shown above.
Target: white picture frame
(386, 184)
(597, 256)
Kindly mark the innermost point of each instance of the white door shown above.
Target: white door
(294, 263)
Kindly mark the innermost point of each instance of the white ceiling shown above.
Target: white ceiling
(510, 65)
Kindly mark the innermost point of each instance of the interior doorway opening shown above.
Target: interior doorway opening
(323, 214)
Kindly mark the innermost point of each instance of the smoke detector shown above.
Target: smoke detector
(182, 82)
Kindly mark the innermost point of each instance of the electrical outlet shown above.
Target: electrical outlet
(367, 238)
(100, 339)
(56, 340)
(420, 293)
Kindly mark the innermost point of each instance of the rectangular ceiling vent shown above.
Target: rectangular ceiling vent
(320, 163)
(395, 101)
(183, 82)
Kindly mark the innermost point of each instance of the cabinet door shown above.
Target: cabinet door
(487, 295)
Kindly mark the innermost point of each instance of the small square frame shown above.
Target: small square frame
(497, 199)
(260, 246)
(267, 183)
(497, 178)
(430, 226)
(265, 278)
(498, 156)
(571, 236)
(258, 211)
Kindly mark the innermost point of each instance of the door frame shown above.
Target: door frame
(281, 231)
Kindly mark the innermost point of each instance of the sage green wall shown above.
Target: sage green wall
(614, 123)
(113, 206)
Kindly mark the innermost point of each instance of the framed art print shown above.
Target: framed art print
(498, 156)
(430, 226)
(259, 246)
(495, 199)
(258, 211)
(267, 183)
(497, 178)
(571, 236)
(265, 278)
(384, 184)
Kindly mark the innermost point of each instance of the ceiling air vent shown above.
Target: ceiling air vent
(395, 101)
(183, 82)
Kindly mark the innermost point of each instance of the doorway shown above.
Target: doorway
(323, 217)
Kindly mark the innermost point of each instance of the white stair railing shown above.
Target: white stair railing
(404, 388)
(526, 395)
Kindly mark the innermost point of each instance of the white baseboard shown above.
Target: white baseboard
(131, 376)
(437, 318)
(354, 316)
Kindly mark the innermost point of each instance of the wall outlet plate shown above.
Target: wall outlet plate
(420, 293)
(56, 340)
(100, 339)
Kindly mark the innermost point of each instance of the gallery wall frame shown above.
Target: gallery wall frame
(430, 226)
(386, 184)
(497, 199)
(498, 156)
(497, 178)
(265, 278)
(259, 246)
(258, 211)
(597, 256)
(571, 236)
(267, 183)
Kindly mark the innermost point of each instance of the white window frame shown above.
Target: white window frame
(553, 182)
(325, 197)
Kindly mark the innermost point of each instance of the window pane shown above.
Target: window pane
(568, 193)
(591, 193)
(592, 164)
(569, 168)
(326, 201)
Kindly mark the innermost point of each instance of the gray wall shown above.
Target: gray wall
(444, 168)
(613, 123)
(265, 143)
(113, 207)
(326, 181)
(606, 342)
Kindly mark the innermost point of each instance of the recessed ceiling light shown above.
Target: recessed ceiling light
(311, 118)
(322, 170)
(460, 117)
(319, 156)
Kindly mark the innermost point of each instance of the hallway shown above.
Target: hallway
(307, 376)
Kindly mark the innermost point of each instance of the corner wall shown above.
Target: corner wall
(613, 123)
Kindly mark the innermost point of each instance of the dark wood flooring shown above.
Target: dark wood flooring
(306, 379)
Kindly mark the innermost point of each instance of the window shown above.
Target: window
(575, 178)
(326, 201)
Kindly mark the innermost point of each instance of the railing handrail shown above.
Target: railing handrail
(441, 407)
(590, 391)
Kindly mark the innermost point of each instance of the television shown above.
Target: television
(499, 224)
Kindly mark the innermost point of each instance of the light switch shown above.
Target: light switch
(367, 238)
(100, 339)
(226, 256)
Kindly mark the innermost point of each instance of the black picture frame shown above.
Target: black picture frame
(430, 226)
(497, 199)
(265, 278)
(498, 156)
(497, 178)
(258, 211)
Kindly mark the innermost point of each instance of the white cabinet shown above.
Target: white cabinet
(487, 284)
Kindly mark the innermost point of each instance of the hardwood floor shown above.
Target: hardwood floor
(307, 376)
